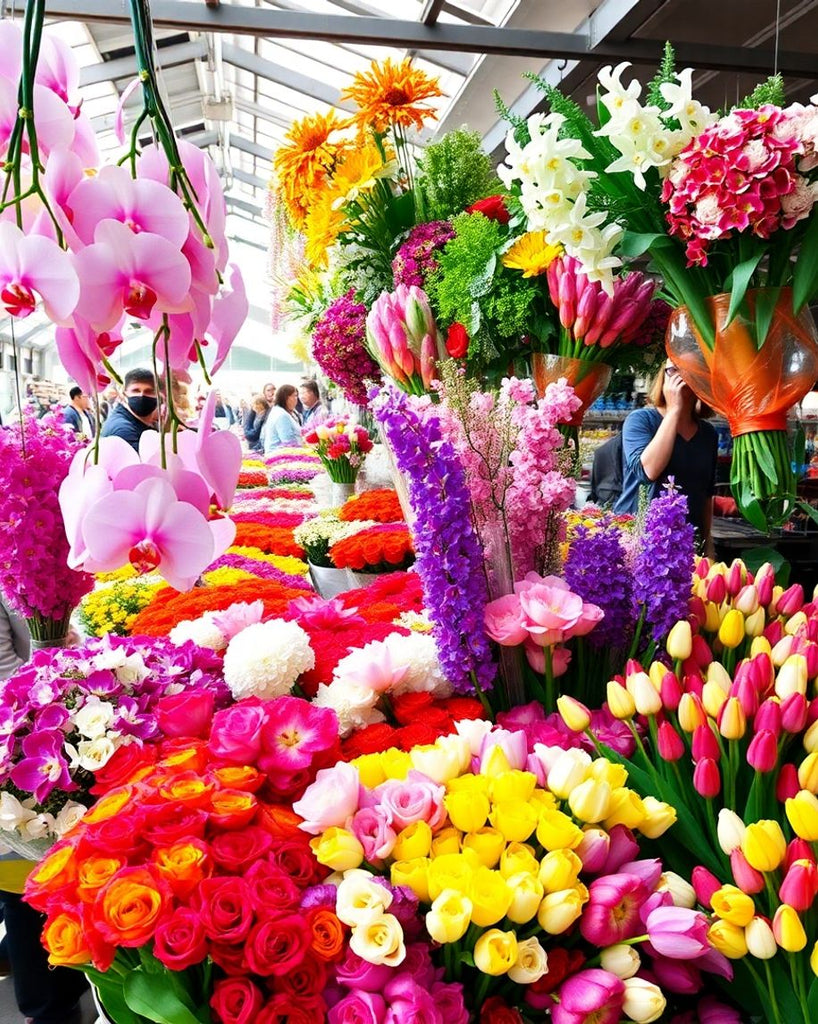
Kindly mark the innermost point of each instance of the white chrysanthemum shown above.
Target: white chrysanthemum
(265, 659)
(203, 632)
(418, 622)
(419, 652)
(354, 705)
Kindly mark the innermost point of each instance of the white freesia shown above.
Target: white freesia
(12, 813)
(265, 659)
(202, 631)
(37, 827)
(70, 814)
(93, 718)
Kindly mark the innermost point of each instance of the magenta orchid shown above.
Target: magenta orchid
(34, 268)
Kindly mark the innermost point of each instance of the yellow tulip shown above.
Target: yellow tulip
(449, 917)
(495, 952)
(514, 786)
(559, 870)
(616, 775)
(713, 698)
(491, 896)
(467, 811)
(413, 841)
(728, 939)
(626, 808)
(487, 844)
(574, 713)
(396, 763)
(526, 895)
(556, 831)
(477, 784)
(755, 622)
(691, 713)
(808, 772)
(764, 845)
(788, 929)
(447, 840)
(802, 814)
(620, 703)
(590, 801)
(731, 630)
(450, 871)
(414, 874)
(813, 959)
(659, 816)
(792, 677)
(731, 904)
(370, 769)
(518, 858)
(559, 910)
(515, 820)
(733, 721)
(338, 849)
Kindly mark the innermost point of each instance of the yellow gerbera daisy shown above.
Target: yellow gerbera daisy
(321, 228)
(392, 94)
(301, 166)
(532, 253)
(359, 171)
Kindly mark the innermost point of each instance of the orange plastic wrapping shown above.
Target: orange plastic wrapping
(588, 379)
(753, 388)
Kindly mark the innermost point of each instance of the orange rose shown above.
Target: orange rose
(64, 939)
(188, 788)
(111, 804)
(327, 934)
(184, 755)
(232, 808)
(130, 907)
(183, 865)
(243, 777)
(56, 870)
(281, 821)
(94, 873)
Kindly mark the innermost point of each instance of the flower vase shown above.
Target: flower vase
(328, 581)
(46, 633)
(340, 492)
(588, 379)
(752, 377)
(398, 480)
(359, 580)
(27, 849)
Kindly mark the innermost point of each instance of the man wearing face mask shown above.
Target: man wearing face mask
(131, 417)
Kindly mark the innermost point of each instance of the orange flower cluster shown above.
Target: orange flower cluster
(382, 548)
(379, 506)
(301, 165)
(169, 607)
(253, 478)
(272, 540)
(392, 95)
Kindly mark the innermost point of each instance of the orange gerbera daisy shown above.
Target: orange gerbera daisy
(301, 166)
(392, 94)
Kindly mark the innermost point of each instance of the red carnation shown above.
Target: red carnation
(457, 341)
(493, 207)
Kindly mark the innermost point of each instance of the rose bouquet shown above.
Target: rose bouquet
(725, 733)
(316, 536)
(381, 548)
(378, 506)
(529, 882)
(189, 890)
(341, 446)
(35, 457)
(75, 719)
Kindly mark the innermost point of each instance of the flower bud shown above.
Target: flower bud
(670, 743)
(705, 744)
(746, 878)
(800, 885)
(705, 884)
(590, 801)
(712, 617)
(670, 691)
(621, 960)
(788, 929)
(782, 649)
(682, 892)
(802, 814)
(559, 870)
(790, 601)
(449, 916)
(716, 590)
(762, 753)
(808, 772)
(760, 939)
(792, 677)
(786, 785)
(658, 817)
(731, 630)
(706, 778)
(754, 623)
(764, 845)
(644, 1002)
(794, 710)
(713, 698)
(679, 643)
(732, 720)
(644, 693)
(730, 830)
(574, 713)
(691, 712)
(717, 673)
(495, 952)
(735, 576)
(746, 600)
(620, 703)
(768, 717)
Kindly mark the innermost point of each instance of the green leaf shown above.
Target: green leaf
(473, 324)
(739, 281)
(153, 996)
(467, 959)
(111, 996)
(766, 302)
(748, 505)
(754, 558)
(812, 1000)
(635, 244)
(805, 277)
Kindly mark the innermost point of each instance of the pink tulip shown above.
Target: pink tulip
(705, 884)
(505, 622)
(670, 691)
(711, 1011)
(706, 778)
(670, 743)
(130, 273)
(797, 849)
(768, 716)
(762, 753)
(612, 912)
(623, 848)
(800, 885)
(677, 932)
(513, 744)
(33, 268)
(716, 589)
(794, 712)
(648, 870)
(787, 784)
(676, 976)
(745, 877)
(790, 601)
(593, 995)
(428, 364)
(593, 850)
(705, 744)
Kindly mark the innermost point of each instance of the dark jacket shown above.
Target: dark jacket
(606, 472)
(72, 417)
(253, 426)
(122, 423)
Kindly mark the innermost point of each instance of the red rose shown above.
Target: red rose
(124, 763)
(457, 341)
(186, 714)
(230, 957)
(271, 888)
(234, 851)
(236, 1001)
(462, 707)
(497, 1011)
(287, 1009)
(296, 859)
(493, 207)
(278, 945)
(120, 836)
(170, 823)
(561, 963)
(372, 739)
(418, 735)
(180, 941)
(226, 910)
(306, 981)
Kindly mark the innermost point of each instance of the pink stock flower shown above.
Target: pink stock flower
(589, 997)
(612, 913)
(677, 932)
(330, 800)
(34, 268)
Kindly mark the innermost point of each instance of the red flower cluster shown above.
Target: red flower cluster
(381, 548)
(379, 506)
(273, 540)
(420, 720)
(334, 643)
(276, 520)
(493, 207)
(252, 478)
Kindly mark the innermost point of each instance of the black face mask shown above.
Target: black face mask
(142, 405)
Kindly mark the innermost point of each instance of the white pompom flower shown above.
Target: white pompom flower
(266, 659)
(202, 631)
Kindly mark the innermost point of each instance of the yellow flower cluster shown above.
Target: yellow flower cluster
(226, 576)
(112, 608)
(253, 464)
(286, 563)
(505, 851)
(125, 572)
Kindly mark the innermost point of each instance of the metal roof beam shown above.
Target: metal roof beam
(125, 67)
(247, 61)
(255, 21)
(430, 12)
(262, 113)
(253, 148)
(250, 179)
(243, 205)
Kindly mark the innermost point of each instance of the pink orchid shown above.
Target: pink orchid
(52, 118)
(130, 273)
(151, 529)
(33, 267)
(81, 351)
(140, 204)
(229, 313)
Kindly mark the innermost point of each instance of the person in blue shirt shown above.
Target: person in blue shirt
(77, 415)
(136, 413)
(282, 429)
(670, 437)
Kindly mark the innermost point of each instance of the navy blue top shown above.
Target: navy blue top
(692, 464)
(122, 423)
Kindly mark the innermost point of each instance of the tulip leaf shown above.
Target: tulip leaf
(638, 243)
(739, 281)
(153, 996)
(812, 1000)
(805, 276)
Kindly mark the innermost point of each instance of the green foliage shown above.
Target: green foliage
(769, 91)
(666, 73)
(517, 123)
(472, 287)
(453, 173)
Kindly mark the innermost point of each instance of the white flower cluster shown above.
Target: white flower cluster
(128, 668)
(362, 903)
(553, 195)
(202, 631)
(642, 133)
(97, 741)
(327, 528)
(398, 664)
(265, 659)
(29, 825)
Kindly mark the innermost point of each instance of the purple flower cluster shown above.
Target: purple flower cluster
(663, 566)
(449, 558)
(338, 347)
(652, 330)
(415, 259)
(262, 569)
(105, 693)
(34, 573)
(597, 569)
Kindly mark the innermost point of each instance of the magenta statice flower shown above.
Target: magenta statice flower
(35, 456)
(596, 568)
(416, 259)
(339, 349)
(262, 569)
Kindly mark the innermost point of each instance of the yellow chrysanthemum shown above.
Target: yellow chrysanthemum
(359, 172)
(532, 253)
(301, 166)
(322, 227)
(392, 94)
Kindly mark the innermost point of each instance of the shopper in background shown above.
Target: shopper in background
(108, 401)
(282, 428)
(315, 411)
(223, 415)
(134, 415)
(77, 413)
(269, 392)
(256, 418)
(670, 437)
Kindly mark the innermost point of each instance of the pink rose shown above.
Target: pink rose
(549, 612)
(504, 621)
(235, 736)
(330, 800)
(358, 1008)
(356, 973)
(560, 658)
(236, 1001)
(186, 714)
(416, 798)
(409, 1003)
(449, 1000)
(591, 614)
(371, 827)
